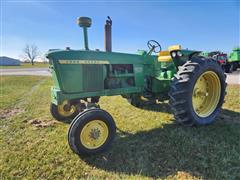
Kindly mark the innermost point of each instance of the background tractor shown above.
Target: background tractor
(233, 61)
(194, 85)
(218, 56)
(229, 62)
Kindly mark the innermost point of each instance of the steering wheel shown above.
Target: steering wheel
(154, 46)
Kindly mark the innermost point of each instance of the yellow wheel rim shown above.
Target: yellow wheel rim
(94, 134)
(65, 109)
(206, 94)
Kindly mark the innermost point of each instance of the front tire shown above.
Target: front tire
(64, 111)
(91, 132)
(197, 92)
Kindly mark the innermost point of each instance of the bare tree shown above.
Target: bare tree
(31, 53)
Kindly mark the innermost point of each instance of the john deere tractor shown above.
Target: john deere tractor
(194, 85)
(233, 62)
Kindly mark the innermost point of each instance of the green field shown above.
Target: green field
(148, 143)
(27, 65)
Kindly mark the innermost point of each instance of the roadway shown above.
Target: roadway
(25, 72)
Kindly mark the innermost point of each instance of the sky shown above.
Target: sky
(200, 25)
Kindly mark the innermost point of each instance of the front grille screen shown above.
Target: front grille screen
(93, 79)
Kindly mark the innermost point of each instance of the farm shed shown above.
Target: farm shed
(7, 61)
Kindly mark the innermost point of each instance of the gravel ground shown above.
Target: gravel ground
(233, 78)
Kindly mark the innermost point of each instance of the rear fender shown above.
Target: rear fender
(182, 56)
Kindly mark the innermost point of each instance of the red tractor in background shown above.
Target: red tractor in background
(220, 57)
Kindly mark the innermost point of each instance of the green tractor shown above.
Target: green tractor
(194, 85)
(233, 61)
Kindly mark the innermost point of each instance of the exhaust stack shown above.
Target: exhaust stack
(108, 35)
(85, 22)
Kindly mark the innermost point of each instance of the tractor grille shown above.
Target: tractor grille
(93, 79)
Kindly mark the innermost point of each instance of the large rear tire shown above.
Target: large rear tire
(197, 92)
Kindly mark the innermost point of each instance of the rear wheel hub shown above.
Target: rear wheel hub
(206, 94)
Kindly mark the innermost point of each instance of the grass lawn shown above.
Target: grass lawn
(27, 65)
(148, 143)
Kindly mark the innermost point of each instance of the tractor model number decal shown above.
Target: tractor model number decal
(83, 62)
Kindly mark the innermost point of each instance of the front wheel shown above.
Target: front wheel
(91, 132)
(64, 111)
(197, 92)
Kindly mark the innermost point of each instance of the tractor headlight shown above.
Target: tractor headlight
(179, 53)
(174, 54)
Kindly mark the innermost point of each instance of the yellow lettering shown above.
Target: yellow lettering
(83, 61)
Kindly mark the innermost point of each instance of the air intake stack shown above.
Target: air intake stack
(85, 22)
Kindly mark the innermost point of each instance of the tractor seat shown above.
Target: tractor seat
(164, 56)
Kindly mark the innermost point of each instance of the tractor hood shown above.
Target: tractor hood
(93, 57)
